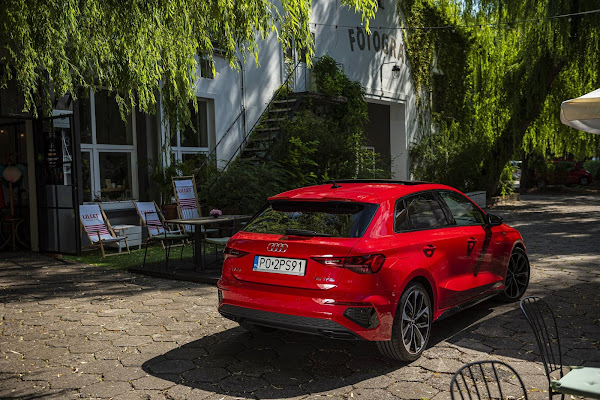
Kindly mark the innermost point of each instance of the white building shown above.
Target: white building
(87, 153)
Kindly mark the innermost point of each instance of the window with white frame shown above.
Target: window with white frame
(108, 149)
(186, 143)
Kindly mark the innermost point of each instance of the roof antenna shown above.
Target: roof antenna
(335, 185)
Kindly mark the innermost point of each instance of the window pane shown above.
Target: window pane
(110, 128)
(85, 119)
(400, 217)
(199, 138)
(115, 175)
(425, 212)
(338, 219)
(86, 175)
(463, 211)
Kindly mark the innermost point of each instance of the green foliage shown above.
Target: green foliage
(161, 177)
(244, 187)
(323, 140)
(593, 166)
(502, 83)
(506, 181)
(139, 48)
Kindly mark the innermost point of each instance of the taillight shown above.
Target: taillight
(368, 264)
(233, 253)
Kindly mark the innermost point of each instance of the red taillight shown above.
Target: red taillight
(233, 253)
(368, 264)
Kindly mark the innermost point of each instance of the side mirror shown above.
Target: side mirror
(494, 220)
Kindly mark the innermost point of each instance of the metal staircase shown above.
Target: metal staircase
(267, 131)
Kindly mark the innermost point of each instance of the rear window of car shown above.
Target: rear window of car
(314, 218)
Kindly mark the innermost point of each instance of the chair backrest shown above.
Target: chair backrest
(149, 215)
(487, 380)
(187, 202)
(543, 323)
(93, 221)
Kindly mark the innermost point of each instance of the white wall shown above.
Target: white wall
(338, 32)
(259, 85)
(369, 59)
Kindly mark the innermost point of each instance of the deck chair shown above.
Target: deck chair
(188, 207)
(487, 380)
(98, 229)
(151, 217)
(580, 381)
(187, 202)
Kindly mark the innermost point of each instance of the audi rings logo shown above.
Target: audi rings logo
(277, 247)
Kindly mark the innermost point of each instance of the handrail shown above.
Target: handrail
(247, 135)
(206, 160)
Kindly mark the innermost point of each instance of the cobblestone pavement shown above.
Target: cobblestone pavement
(71, 331)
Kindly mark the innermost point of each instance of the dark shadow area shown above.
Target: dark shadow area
(286, 364)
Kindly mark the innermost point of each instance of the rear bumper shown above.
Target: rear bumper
(315, 326)
(322, 313)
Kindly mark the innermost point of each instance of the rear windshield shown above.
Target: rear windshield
(310, 218)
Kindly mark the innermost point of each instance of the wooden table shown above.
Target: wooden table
(198, 234)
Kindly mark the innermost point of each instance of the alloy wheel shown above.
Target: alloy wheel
(415, 323)
(517, 276)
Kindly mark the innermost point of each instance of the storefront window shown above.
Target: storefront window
(192, 139)
(108, 149)
(85, 120)
(86, 175)
(115, 175)
(110, 127)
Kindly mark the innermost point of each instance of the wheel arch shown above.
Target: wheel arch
(426, 282)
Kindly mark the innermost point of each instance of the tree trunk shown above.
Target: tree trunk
(512, 138)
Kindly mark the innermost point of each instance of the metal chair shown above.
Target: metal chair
(580, 381)
(151, 217)
(487, 380)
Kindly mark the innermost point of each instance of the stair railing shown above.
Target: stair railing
(247, 135)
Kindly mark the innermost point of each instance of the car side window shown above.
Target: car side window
(401, 217)
(425, 212)
(463, 211)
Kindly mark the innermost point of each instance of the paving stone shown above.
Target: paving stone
(152, 383)
(413, 390)
(106, 389)
(172, 366)
(75, 330)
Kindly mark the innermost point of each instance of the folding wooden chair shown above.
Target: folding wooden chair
(187, 207)
(151, 217)
(98, 229)
(187, 202)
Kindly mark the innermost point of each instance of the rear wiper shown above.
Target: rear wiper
(304, 232)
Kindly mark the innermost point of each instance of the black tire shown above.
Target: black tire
(517, 276)
(412, 325)
(584, 181)
(256, 329)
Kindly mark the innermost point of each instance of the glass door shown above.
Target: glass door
(57, 189)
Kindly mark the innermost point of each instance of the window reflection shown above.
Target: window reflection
(115, 175)
(110, 127)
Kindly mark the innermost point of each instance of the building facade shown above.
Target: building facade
(86, 152)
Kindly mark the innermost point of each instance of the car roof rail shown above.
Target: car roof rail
(336, 182)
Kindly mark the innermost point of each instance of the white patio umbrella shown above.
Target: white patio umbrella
(582, 113)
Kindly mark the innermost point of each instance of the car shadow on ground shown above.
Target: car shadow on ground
(286, 364)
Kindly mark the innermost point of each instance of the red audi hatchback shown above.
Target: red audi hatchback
(369, 259)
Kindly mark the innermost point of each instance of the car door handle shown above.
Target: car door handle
(471, 242)
(429, 250)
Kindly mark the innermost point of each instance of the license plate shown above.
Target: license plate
(279, 265)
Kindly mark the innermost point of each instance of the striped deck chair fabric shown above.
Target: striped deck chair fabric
(148, 213)
(185, 193)
(93, 221)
